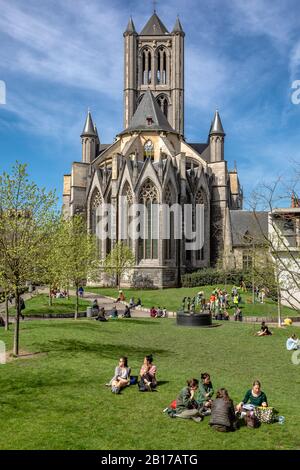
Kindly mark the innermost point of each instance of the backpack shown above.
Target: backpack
(251, 420)
(264, 414)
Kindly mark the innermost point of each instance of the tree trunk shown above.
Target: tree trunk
(50, 297)
(278, 302)
(77, 302)
(17, 324)
(6, 312)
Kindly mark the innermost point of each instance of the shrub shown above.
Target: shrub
(212, 276)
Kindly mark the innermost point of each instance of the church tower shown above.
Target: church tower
(154, 60)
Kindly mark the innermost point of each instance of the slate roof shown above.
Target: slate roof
(149, 116)
(154, 27)
(89, 128)
(244, 225)
(198, 147)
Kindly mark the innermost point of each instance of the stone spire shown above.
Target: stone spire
(216, 127)
(178, 28)
(130, 28)
(89, 128)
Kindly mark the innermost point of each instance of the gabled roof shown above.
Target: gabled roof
(246, 226)
(149, 116)
(154, 27)
(89, 128)
(216, 125)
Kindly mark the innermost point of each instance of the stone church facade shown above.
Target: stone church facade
(150, 162)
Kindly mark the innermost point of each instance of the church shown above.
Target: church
(150, 162)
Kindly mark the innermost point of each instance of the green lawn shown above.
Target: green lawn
(172, 299)
(58, 400)
(39, 305)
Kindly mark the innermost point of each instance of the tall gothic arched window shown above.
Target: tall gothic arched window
(148, 245)
(169, 243)
(128, 201)
(200, 198)
(146, 67)
(95, 214)
(163, 103)
(161, 66)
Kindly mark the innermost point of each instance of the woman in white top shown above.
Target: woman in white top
(122, 376)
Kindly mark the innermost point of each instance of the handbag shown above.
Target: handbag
(264, 414)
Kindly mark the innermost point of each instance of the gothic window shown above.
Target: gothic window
(127, 193)
(149, 149)
(169, 243)
(161, 70)
(148, 245)
(163, 103)
(146, 67)
(95, 211)
(200, 198)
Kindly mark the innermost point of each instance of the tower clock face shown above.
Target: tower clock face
(148, 146)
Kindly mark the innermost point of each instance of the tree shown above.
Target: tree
(283, 235)
(118, 261)
(26, 216)
(77, 251)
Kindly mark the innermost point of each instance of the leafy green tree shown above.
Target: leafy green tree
(77, 254)
(26, 216)
(118, 261)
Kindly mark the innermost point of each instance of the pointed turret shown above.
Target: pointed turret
(178, 28)
(130, 28)
(149, 116)
(216, 127)
(216, 139)
(89, 140)
(89, 128)
(154, 27)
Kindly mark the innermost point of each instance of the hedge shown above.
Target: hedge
(212, 276)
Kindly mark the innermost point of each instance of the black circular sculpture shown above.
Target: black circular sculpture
(193, 319)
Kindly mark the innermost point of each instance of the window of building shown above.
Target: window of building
(148, 246)
(247, 261)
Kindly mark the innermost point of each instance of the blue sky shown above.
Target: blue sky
(59, 57)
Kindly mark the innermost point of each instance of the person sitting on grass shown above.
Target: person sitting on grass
(121, 378)
(159, 313)
(126, 313)
(153, 312)
(238, 314)
(147, 378)
(222, 413)
(292, 343)
(114, 313)
(255, 397)
(95, 307)
(205, 393)
(138, 303)
(287, 321)
(131, 303)
(165, 313)
(121, 296)
(186, 405)
(101, 316)
(226, 315)
(264, 330)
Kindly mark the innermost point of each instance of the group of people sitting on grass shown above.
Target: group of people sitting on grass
(195, 401)
(158, 312)
(122, 378)
(101, 315)
(58, 293)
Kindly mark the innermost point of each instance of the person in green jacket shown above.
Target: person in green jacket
(205, 393)
(254, 396)
(186, 405)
